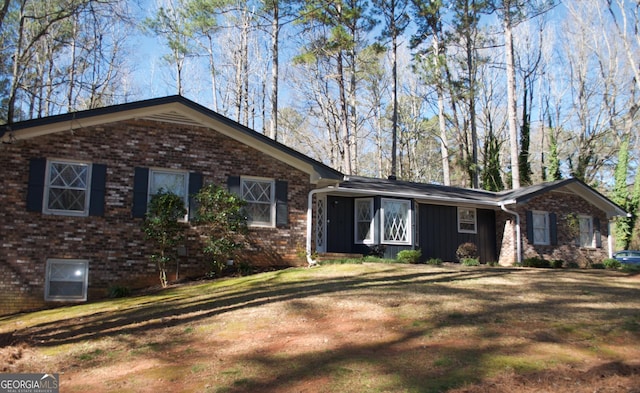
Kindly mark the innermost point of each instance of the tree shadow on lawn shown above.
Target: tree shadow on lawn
(176, 311)
(397, 363)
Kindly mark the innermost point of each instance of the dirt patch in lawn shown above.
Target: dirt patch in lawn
(386, 328)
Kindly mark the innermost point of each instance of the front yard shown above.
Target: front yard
(347, 328)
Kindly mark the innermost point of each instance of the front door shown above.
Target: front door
(339, 224)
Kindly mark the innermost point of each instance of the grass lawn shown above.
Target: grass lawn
(347, 328)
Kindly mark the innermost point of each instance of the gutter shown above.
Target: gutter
(518, 234)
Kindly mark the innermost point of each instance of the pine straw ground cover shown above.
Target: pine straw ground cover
(347, 328)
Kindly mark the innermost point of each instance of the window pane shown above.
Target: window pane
(65, 199)
(364, 220)
(67, 187)
(396, 221)
(68, 175)
(466, 220)
(256, 191)
(66, 280)
(258, 195)
(169, 182)
(257, 212)
(66, 289)
(586, 232)
(540, 228)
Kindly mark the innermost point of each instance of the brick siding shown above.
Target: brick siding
(562, 204)
(114, 244)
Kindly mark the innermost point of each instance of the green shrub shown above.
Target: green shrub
(467, 250)
(409, 256)
(492, 263)
(222, 224)
(611, 263)
(557, 263)
(116, 291)
(573, 265)
(434, 261)
(630, 268)
(536, 262)
(161, 225)
(470, 262)
(597, 265)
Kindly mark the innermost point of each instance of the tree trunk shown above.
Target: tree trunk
(275, 32)
(511, 99)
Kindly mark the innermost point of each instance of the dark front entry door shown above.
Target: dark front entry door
(339, 224)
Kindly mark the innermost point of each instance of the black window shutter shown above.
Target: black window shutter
(553, 229)
(140, 190)
(530, 226)
(596, 231)
(282, 210)
(233, 185)
(195, 184)
(98, 188)
(35, 187)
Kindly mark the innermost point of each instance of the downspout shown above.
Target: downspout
(518, 236)
(310, 260)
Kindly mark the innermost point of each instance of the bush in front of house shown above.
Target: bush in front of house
(467, 250)
(220, 219)
(434, 261)
(611, 263)
(470, 262)
(409, 256)
(557, 263)
(536, 262)
(162, 226)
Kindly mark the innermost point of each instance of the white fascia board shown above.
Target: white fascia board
(82, 122)
(418, 197)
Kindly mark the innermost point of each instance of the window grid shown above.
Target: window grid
(540, 227)
(364, 224)
(260, 197)
(67, 188)
(467, 220)
(587, 238)
(396, 221)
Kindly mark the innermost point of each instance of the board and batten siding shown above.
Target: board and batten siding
(439, 236)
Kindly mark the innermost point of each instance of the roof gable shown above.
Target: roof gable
(172, 109)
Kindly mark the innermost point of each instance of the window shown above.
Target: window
(466, 220)
(169, 181)
(67, 188)
(66, 280)
(586, 231)
(540, 227)
(260, 197)
(396, 221)
(364, 224)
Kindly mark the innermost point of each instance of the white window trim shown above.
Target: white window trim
(172, 171)
(372, 226)
(475, 220)
(82, 263)
(272, 197)
(409, 222)
(47, 185)
(547, 229)
(592, 231)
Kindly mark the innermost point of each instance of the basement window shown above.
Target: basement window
(66, 280)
